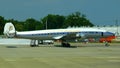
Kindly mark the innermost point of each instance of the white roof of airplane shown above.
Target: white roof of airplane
(62, 30)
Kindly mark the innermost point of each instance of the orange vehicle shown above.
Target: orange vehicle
(107, 39)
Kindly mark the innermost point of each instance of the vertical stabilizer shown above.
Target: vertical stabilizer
(9, 30)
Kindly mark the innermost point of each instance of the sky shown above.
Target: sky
(99, 12)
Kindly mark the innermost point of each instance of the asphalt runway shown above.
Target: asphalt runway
(81, 55)
(13, 41)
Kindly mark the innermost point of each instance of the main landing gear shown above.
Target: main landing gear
(65, 44)
(34, 43)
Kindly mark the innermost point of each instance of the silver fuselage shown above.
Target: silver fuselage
(71, 33)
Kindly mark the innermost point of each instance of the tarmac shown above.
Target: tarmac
(16, 53)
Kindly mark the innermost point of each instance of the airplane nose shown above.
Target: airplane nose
(109, 34)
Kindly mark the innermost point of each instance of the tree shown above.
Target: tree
(39, 25)
(30, 24)
(19, 26)
(76, 20)
(53, 21)
(2, 23)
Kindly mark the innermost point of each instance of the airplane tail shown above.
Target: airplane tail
(9, 30)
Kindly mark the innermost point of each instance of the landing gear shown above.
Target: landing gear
(40, 41)
(34, 43)
(65, 44)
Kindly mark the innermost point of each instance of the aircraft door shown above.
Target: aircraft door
(102, 34)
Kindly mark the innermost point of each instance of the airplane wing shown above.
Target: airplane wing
(66, 36)
(58, 37)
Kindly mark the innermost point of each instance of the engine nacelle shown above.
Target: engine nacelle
(81, 35)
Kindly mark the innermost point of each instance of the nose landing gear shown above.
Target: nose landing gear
(34, 43)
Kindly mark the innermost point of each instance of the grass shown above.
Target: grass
(60, 57)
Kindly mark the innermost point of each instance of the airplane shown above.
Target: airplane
(55, 34)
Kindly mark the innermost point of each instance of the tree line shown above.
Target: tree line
(51, 21)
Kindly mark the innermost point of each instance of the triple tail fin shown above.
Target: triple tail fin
(9, 30)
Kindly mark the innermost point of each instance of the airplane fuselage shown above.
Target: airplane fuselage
(57, 33)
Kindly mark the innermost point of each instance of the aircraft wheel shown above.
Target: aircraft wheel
(31, 45)
(65, 44)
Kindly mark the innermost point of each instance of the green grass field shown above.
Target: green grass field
(59, 57)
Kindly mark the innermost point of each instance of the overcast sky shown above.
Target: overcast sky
(99, 12)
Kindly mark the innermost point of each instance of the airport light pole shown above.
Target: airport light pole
(117, 33)
(46, 24)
